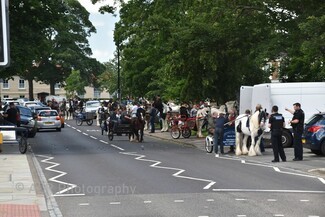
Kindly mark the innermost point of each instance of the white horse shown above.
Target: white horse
(243, 132)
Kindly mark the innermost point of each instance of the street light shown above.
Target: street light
(118, 73)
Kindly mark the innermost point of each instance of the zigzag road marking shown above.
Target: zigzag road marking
(54, 179)
(177, 174)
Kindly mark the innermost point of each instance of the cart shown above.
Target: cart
(87, 117)
(118, 129)
(181, 126)
(10, 134)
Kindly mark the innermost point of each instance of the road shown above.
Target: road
(87, 175)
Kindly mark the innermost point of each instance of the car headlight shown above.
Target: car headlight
(32, 122)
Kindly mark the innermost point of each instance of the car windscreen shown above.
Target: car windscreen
(93, 104)
(48, 113)
(25, 111)
(316, 118)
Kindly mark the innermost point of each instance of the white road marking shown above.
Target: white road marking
(210, 200)
(304, 200)
(103, 141)
(264, 190)
(78, 130)
(177, 174)
(115, 203)
(241, 215)
(179, 201)
(119, 148)
(278, 215)
(54, 179)
(86, 134)
(271, 200)
(279, 171)
(83, 204)
(92, 137)
(240, 199)
(147, 201)
(203, 216)
(73, 128)
(313, 216)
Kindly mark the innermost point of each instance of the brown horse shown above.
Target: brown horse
(137, 125)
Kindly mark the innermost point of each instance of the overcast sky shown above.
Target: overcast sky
(101, 43)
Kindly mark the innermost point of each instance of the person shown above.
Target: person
(193, 111)
(262, 120)
(231, 119)
(276, 124)
(153, 114)
(218, 132)
(12, 114)
(297, 124)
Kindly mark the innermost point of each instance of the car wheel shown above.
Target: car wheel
(323, 147)
(286, 139)
(317, 152)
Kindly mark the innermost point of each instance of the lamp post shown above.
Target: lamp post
(118, 73)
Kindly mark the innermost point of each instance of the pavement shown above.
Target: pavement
(21, 193)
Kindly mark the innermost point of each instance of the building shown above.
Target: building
(18, 88)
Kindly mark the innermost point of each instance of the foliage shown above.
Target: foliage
(74, 84)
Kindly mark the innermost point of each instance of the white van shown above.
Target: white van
(311, 96)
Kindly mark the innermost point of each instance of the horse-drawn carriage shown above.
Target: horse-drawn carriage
(118, 129)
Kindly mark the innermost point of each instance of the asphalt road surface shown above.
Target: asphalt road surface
(88, 175)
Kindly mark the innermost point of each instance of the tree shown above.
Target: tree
(74, 84)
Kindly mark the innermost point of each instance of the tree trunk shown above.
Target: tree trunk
(30, 89)
(52, 89)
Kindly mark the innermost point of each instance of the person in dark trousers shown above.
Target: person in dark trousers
(297, 124)
(153, 114)
(276, 124)
(218, 133)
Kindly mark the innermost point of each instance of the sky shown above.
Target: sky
(101, 43)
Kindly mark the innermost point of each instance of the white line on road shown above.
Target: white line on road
(103, 141)
(115, 203)
(263, 190)
(179, 201)
(177, 174)
(313, 216)
(119, 148)
(210, 200)
(54, 179)
(147, 201)
(271, 200)
(240, 199)
(304, 200)
(241, 215)
(83, 204)
(92, 137)
(278, 215)
(78, 130)
(86, 134)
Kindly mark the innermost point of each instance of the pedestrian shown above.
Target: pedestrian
(193, 111)
(153, 114)
(220, 121)
(276, 124)
(12, 114)
(262, 120)
(297, 124)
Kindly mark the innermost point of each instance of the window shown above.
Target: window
(5, 84)
(21, 84)
(96, 93)
(57, 86)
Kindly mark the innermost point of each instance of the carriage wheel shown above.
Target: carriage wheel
(90, 122)
(22, 144)
(175, 132)
(78, 121)
(186, 132)
(209, 144)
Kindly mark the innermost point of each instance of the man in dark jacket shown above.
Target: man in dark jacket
(276, 124)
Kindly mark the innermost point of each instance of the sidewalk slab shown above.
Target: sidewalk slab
(12, 210)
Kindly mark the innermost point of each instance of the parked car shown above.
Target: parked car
(28, 120)
(314, 134)
(48, 119)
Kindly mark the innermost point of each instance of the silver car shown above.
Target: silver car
(48, 119)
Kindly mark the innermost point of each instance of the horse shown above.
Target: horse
(256, 125)
(137, 125)
(204, 114)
